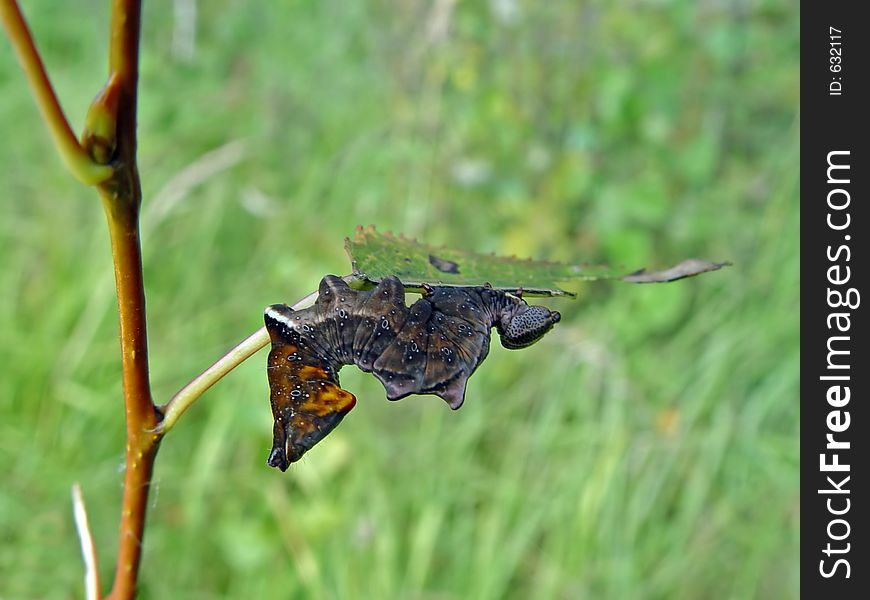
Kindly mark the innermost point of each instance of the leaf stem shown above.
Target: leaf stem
(76, 159)
(187, 395)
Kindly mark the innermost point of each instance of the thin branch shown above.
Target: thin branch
(124, 42)
(124, 70)
(122, 197)
(141, 414)
(76, 159)
(89, 551)
(181, 401)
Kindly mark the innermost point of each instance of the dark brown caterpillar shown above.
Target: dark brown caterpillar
(431, 347)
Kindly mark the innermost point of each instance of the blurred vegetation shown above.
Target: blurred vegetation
(648, 448)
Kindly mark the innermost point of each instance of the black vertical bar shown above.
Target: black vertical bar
(835, 358)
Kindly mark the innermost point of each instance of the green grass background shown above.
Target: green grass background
(647, 448)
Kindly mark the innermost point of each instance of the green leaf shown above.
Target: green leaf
(375, 256)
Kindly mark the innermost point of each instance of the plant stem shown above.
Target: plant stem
(187, 395)
(76, 159)
(112, 134)
(124, 70)
(141, 416)
(122, 197)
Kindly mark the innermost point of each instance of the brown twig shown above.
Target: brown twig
(141, 416)
(122, 196)
(113, 115)
(110, 137)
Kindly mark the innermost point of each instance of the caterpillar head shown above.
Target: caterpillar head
(521, 325)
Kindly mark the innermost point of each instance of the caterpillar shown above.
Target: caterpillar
(431, 347)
